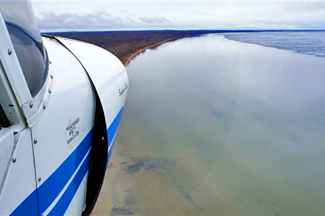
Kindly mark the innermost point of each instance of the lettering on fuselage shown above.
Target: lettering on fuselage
(121, 91)
(73, 131)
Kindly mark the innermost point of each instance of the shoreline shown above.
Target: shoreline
(137, 52)
(149, 179)
(126, 45)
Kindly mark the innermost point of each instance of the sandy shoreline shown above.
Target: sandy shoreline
(137, 52)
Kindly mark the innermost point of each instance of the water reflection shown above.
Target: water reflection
(217, 127)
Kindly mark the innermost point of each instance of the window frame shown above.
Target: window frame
(28, 109)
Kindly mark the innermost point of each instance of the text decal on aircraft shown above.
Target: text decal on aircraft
(73, 131)
(123, 89)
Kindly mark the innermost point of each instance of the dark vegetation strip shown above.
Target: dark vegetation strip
(125, 44)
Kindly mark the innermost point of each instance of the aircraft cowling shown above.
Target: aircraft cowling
(109, 78)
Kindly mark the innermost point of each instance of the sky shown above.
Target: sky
(179, 14)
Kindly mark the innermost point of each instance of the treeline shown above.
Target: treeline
(124, 43)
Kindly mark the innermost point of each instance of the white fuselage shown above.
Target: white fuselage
(45, 167)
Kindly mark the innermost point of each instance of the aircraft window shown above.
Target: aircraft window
(27, 42)
(3, 119)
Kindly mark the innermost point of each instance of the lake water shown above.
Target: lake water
(218, 127)
(311, 43)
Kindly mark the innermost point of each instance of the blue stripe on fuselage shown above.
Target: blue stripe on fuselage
(28, 206)
(62, 205)
(52, 187)
(64, 202)
(54, 184)
(113, 128)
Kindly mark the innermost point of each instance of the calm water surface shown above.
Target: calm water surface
(218, 127)
(311, 43)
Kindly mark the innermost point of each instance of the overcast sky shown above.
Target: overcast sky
(159, 14)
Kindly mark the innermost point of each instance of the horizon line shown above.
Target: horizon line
(49, 31)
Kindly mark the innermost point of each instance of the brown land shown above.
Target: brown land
(127, 44)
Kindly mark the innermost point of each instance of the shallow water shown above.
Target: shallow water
(218, 127)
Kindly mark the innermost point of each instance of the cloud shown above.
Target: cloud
(99, 20)
(69, 20)
(205, 15)
(155, 20)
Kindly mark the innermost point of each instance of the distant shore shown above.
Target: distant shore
(140, 50)
(127, 45)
